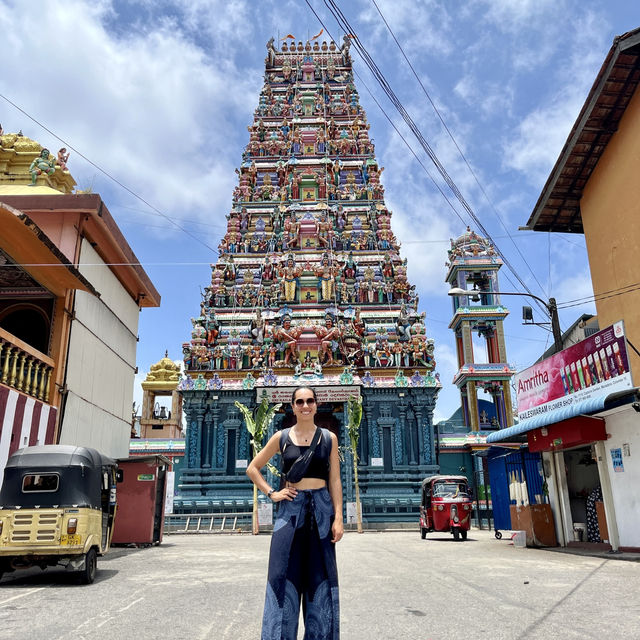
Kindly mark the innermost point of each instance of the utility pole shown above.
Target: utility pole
(555, 324)
(551, 307)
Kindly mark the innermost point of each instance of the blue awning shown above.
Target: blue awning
(584, 407)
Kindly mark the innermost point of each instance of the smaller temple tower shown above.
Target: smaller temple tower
(473, 266)
(158, 420)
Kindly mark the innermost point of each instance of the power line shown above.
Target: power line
(405, 141)
(369, 62)
(193, 221)
(462, 155)
(629, 287)
(108, 175)
(446, 241)
(599, 298)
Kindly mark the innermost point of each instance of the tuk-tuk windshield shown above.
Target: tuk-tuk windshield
(450, 490)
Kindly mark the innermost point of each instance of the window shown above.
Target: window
(40, 482)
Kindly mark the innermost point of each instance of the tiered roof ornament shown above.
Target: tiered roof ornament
(27, 168)
(309, 283)
(478, 318)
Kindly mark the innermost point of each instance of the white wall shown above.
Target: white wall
(102, 360)
(623, 425)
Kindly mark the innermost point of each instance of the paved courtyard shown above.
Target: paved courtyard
(393, 585)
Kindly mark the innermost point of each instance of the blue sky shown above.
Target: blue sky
(160, 93)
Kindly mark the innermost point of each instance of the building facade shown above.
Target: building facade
(74, 315)
(593, 190)
(310, 289)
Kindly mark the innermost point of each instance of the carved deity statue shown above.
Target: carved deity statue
(44, 163)
(290, 274)
(326, 273)
(289, 335)
(329, 335)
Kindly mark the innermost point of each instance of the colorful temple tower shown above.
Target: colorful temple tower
(473, 266)
(309, 288)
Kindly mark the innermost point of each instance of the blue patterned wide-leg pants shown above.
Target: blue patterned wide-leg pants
(302, 568)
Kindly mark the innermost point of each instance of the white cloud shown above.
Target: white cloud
(138, 391)
(539, 136)
(513, 16)
(150, 108)
(419, 28)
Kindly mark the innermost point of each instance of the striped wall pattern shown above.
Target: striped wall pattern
(24, 421)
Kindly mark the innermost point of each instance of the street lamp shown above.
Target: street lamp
(550, 306)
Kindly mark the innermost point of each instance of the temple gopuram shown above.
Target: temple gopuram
(309, 289)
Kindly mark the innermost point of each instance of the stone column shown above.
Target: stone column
(501, 344)
(192, 435)
(215, 433)
(472, 400)
(408, 454)
(429, 443)
(467, 343)
(200, 411)
(373, 444)
(508, 407)
(206, 440)
(418, 407)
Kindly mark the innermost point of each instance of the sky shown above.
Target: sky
(159, 93)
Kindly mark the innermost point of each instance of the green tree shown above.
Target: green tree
(354, 418)
(257, 423)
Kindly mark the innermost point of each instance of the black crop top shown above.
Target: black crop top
(319, 464)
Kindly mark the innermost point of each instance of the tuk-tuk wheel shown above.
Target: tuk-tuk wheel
(456, 534)
(88, 574)
(423, 533)
(498, 535)
(463, 533)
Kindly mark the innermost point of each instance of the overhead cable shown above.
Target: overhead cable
(462, 155)
(371, 65)
(108, 175)
(404, 140)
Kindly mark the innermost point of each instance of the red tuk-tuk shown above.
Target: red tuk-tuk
(445, 506)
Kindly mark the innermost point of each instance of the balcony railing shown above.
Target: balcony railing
(24, 368)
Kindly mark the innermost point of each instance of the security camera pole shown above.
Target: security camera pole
(550, 306)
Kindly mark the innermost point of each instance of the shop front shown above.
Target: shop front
(578, 409)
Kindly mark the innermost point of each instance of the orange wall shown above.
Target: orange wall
(610, 209)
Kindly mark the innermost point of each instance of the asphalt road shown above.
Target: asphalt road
(393, 585)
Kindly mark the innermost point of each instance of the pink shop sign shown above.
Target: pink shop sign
(594, 366)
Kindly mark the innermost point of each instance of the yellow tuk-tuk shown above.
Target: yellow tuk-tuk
(57, 507)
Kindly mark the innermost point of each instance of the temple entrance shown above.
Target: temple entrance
(326, 418)
(231, 452)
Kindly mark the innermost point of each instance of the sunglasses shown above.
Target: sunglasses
(302, 401)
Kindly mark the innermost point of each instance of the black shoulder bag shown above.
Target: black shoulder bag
(299, 467)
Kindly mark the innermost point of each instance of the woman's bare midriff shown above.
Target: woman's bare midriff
(308, 483)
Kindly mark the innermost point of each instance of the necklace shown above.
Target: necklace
(302, 438)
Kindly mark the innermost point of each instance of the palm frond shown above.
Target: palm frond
(354, 419)
(261, 411)
(248, 418)
(268, 418)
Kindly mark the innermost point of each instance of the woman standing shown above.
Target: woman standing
(302, 560)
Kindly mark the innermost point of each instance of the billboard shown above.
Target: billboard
(597, 365)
